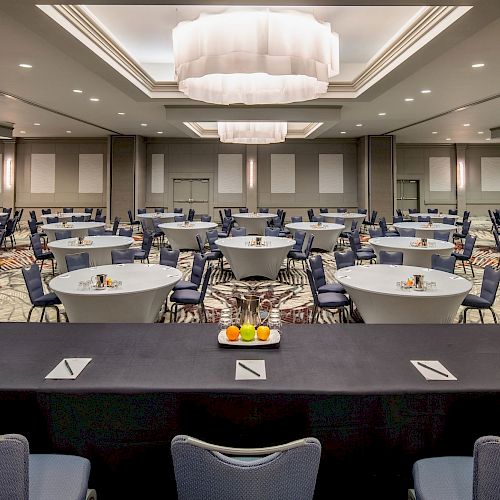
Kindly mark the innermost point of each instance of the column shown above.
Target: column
(381, 172)
(9, 175)
(251, 178)
(461, 178)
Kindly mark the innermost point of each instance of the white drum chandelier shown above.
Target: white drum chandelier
(252, 132)
(255, 57)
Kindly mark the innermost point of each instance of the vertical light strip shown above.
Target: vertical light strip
(461, 175)
(8, 175)
(251, 175)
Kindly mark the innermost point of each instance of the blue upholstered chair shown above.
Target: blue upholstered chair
(362, 211)
(33, 227)
(296, 218)
(441, 235)
(452, 211)
(460, 478)
(191, 213)
(157, 233)
(123, 256)
(239, 231)
(177, 210)
(372, 221)
(299, 238)
(299, 255)
(329, 300)
(341, 210)
(46, 211)
(407, 232)
(205, 471)
(197, 269)
(10, 227)
(272, 231)
(317, 218)
(33, 280)
(100, 218)
(396, 219)
(33, 217)
(97, 231)
(442, 263)
(67, 210)
(132, 221)
(141, 211)
(323, 210)
(497, 244)
(376, 232)
(399, 212)
(243, 210)
(52, 220)
(318, 271)
(487, 296)
(263, 210)
(227, 225)
(310, 214)
(114, 229)
(147, 243)
(449, 220)
(40, 255)
(206, 218)
(126, 231)
(464, 233)
(423, 218)
(385, 231)
(432, 211)
(62, 235)
(466, 254)
(413, 210)
(362, 253)
(214, 253)
(191, 297)
(394, 258)
(465, 218)
(345, 259)
(180, 218)
(169, 258)
(347, 232)
(75, 261)
(159, 210)
(80, 218)
(26, 476)
(88, 211)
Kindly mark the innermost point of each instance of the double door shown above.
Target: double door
(192, 193)
(408, 194)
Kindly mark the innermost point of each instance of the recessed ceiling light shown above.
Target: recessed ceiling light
(26, 66)
(481, 132)
(95, 99)
(343, 132)
(159, 132)
(382, 114)
(425, 91)
(78, 91)
(144, 124)
(434, 132)
(359, 124)
(409, 99)
(36, 124)
(22, 131)
(466, 124)
(448, 138)
(121, 113)
(462, 108)
(68, 131)
(478, 65)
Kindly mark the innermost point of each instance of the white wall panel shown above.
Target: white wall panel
(331, 173)
(282, 173)
(490, 173)
(90, 173)
(43, 173)
(439, 173)
(230, 173)
(157, 173)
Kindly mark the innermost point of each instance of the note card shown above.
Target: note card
(68, 369)
(250, 369)
(433, 370)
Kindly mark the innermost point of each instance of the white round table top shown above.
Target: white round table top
(313, 226)
(433, 216)
(382, 278)
(346, 215)
(254, 215)
(66, 215)
(57, 226)
(2, 214)
(404, 243)
(97, 242)
(135, 278)
(158, 215)
(191, 226)
(424, 226)
(244, 242)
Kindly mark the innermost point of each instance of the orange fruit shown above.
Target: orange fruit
(263, 332)
(232, 332)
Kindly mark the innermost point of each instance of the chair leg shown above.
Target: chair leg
(58, 314)
(465, 315)
(315, 308)
(471, 268)
(43, 314)
(493, 314)
(481, 315)
(171, 312)
(203, 313)
(53, 269)
(463, 265)
(29, 314)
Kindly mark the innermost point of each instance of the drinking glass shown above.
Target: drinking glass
(274, 320)
(225, 319)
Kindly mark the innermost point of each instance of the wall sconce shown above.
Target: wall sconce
(461, 175)
(251, 175)
(8, 174)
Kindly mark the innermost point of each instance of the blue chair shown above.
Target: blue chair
(206, 218)
(141, 211)
(100, 218)
(157, 233)
(497, 244)
(204, 471)
(159, 210)
(299, 255)
(179, 218)
(143, 253)
(197, 269)
(126, 231)
(361, 253)
(243, 210)
(460, 478)
(385, 230)
(323, 210)
(114, 229)
(329, 300)
(33, 227)
(397, 219)
(33, 280)
(296, 218)
(239, 231)
(41, 476)
(67, 210)
(214, 253)
(344, 235)
(46, 211)
(407, 232)
(88, 211)
(125, 256)
(432, 211)
(362, 211)
(272, 231)
(487, 296)
(33, 217)
(342, 210)
(191, 215)
(227, 225)
(75, 261)
(413, 210)
(299, 238)
(343, 259)
(97, 231)
(80, 218)
(263, 210)
(310, 214)
(169, 258)
(191, 297)
(399, 213)
(318, 272)
(464, 233)
(228, 212)
(62, 235)
(445, 264)
(36, 245)
(465, 218)
(423, 218)
(441, 235)
(466, 254)
(452, 211)
(98, 213)
(372, 221)
(394, 258)
(449, 220)
(52, 220)
(177, 210)
(376, 232)
(317, 218)
(132, 221)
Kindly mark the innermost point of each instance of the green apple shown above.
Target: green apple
(247, 332)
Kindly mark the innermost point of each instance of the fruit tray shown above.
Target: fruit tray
(272, 342)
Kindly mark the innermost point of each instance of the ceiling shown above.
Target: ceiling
(62, 63)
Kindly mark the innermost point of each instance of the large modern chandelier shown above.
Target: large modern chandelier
(259, 56)
(252, 132)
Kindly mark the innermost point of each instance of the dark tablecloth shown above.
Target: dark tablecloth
(351, 386)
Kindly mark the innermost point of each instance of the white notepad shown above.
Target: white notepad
(257, 365)
(62, 372)
(429, 373)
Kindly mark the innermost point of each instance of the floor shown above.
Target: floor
(291, 290)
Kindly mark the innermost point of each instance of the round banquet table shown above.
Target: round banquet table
(162, 217)
(66, 216)
(183, 237)
(325, 235)
(139, 300)
(412, 255)
(77, 229)
(255, 223)
(434, 217)
(99, 251)
(348, 217)
(423, 230)
(3, 214)
(246, 260)
(378, 298)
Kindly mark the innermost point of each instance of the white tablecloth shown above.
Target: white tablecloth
(184, 237)
(348, 217)
(325, 236)
(139, 299)
(434, 217)
(76, 229)
(423, 229)
(255, 223)
(99, 252)
(412, 256)
(66, 217)
(246, 260)
(379, 300)
(162, 217)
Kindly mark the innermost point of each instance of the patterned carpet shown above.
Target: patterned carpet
(290, 291)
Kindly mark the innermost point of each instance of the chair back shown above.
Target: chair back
(3, 220)
(323, 210)
(470, 241)
(98, 213)
(191, 215)
(75, 261)
(141, 210)
(466, 215)
(299, 238)
(272, 231)
(33, 280)
(489, 287)
(354, 241)
(209, 472)
(310, 214)
(179, 218)
(32, 225)
(296, 218)
(399, 213)
(309, 245)
(497, 240)
(413, 210)
(169, 257)
(226, 224)
(212, 237)
(452, 211)
(88, 210)
(116, 223)
(362, 211)
(46, 211)
(407, 232)
(201, 245)
(345, 259)
(147, 242)
(32, 215)
(240, 231)
(100, 218)
(97, 231)
(14, 467)
(130, 216)
(376, 232)
(125, 231)
(486, 481)
(2, 236)
(159, 210)
(374, 216)
(432, 211)
(177, 210)
(62, 235)
(317, 218)
(339, 220)
(394, 258)
(204, 286)
(263, 210)
(122, 256)
(80, 218)
(423, 218)
(199, 262)
(243, 210)
(52, 220)
(398, 218)
(443, 263)
(228, 212)
(383, 225)
(341, 210)
(466, 227)
(449, 220)
(441, 235)
(317, 270)
(9, 227)
(67, 210)
(206, 218)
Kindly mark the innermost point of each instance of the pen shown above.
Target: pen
(68, 367)
(432, 369)
(249, 369)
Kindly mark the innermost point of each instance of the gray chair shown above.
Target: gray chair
(449, 220)
(345, 259)
(206, 218)
(26, 476)
(362, 253)
(317, 218)
(214, 253)
(75, 261)
(62, 235)
(147, 243)
(423, 218)
(159, 210)
(441, 263)
(487, 296)
(296, 218)
(177, 210)
(33, 280)
(441, 235)
(452, 211)
(197, 269)
(323, 210)
(131, 220)
(191, 213)
(204, 471)
(407, 232)
(126, 231)
(263, 210)
(342, 210)
(243, 210)
(52, 220)
(299, 255)
(460, 478)
(114, 229)
(466, 254)
(125, 256)
(318, 272)
(394, 258)
(179, 218)
(239, 231)
(97, 231)
(169, 257)
(385, 230)
(80, 218)
(227, 224)
(36, 245)
(465, 231)
(376, 232)
(272, 231)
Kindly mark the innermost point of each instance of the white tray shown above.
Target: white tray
(272, 341)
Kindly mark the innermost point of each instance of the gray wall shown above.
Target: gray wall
(1, 175)
(380, 177)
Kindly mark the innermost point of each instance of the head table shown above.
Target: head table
(99, 249)
(255, 223)
(183, 236)
(423, 229)
(148, 218)
(66, 216)
(325, 234)
(379, 299)
(139, 299)
(75, 229)
(247, 259)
